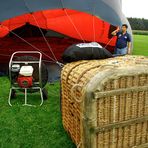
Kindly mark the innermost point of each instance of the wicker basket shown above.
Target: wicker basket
(105, 102)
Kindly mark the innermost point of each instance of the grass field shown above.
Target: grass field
(140, 32)
(31, 127)
(40, 127)
(140, 45)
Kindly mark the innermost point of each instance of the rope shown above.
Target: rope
(60, 64)
(28, 44)
(45, 38)
(6, 55)
(57, 62)
(41, 32)
(108, 42)
(94, 31)
(32, 45)
(93, 17)
(70, 19)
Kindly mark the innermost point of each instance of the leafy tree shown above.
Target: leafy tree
(138, 23)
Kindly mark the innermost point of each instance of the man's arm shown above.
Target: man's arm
(114, 33)
(129, 48)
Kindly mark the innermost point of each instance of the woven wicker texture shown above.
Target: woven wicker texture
(112, 109)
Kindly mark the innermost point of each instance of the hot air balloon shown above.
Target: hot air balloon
(50, 26)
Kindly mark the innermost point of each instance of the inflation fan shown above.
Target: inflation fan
(27, 74)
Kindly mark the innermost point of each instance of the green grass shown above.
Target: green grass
(140, 32)
(31, 127)
(140, 45)
(40, 127)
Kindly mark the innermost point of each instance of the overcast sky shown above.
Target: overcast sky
(135, 8)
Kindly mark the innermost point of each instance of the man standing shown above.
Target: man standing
(123, 45)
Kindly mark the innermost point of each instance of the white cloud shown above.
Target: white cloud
(135, 8)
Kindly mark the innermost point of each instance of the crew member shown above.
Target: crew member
(123, 44)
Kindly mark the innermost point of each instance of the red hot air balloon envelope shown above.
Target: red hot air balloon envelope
(3, 31)
(50, 26)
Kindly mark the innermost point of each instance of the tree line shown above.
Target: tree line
(138, 23)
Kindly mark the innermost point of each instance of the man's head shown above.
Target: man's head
(124, 27)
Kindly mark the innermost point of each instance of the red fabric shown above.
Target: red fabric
(73, 23)
(3, 31)
(16, 22)
(10, 45)
(58, 45)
